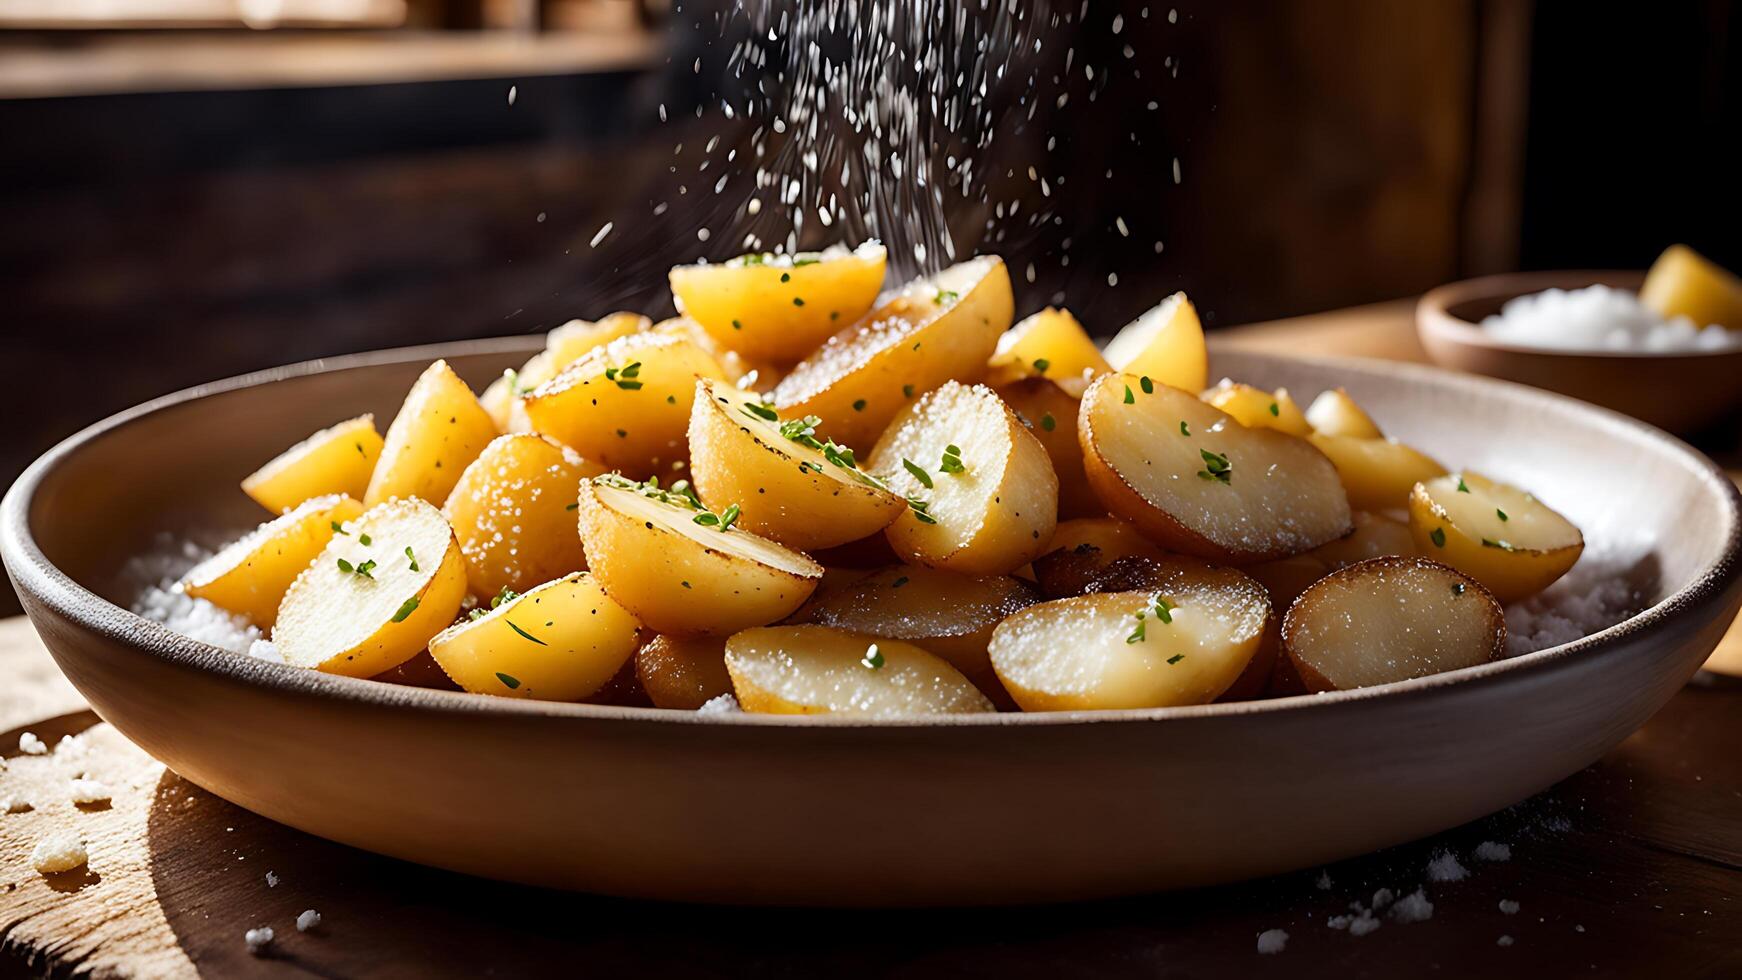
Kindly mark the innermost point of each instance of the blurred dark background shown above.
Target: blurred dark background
(197, 188)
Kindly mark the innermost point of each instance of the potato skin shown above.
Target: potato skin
(338, 459)
(1510, 573)
(1049, 344)
(748, 306)
(683, 672)
(1377, 473)
(561, 641)
(440, 428)
(513, 514)
(1081, 548)
(250, 577)
(1166, 344)
(1049, 410)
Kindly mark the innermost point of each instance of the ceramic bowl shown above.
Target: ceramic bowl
(1676, 391)
(1007, 808)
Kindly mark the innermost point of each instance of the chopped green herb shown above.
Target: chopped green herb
(1137, 635)
(363, 540)
(918, 507)
(952, 461)
(873, 658)
(786, 277)
(1130, 399)
(1438, 537)
(798, 262)
(684, 584)
(412, 557)
(1216, 467)
(1041, 364)
(946, 297)
(1462, 487)
(761, 411)
(1176, 658)
(574, 506)
(406, 609)
(797, 302)
(1274, 410)
(1147, 385)
(671, 399)
(907, 391)
(707, 518)
(506, 595)
(364, 569)
(1183, 430)
(1164, 610)
(729, 517)
(918, 473)
(1502, 514)
(898, 583)
(737, 325)
(509, 680)
(477, 614)
(1047, 422)
(859, 405)
(337, 529)
(524, 633)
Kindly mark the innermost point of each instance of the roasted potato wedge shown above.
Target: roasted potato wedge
(1256, 408)
(1184, 641)
(943, 613)
(562, 347)
(1196, 481)
(334, 460)
(792, 486)
(677, 575)
(1334, 413)
(1495, 533)
(990, 493)
(1081, 548)
(438, 431)
(935, 330)
(625, 405)
(683, 672)
(376, 595)
(1390, 619)
(807, 670)
(780, 307)
(748, 373)
(513, 513)
(1049, 409)
(1165, 344)
(250, 577)
(562, 641)
(1684, 283)
(1377, 473)
(1049, 344)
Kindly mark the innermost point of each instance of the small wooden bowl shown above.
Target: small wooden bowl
(1678, 391)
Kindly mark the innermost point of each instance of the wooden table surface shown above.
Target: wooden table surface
(1630, 867)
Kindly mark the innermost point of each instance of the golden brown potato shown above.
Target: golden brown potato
(792, 485)
(991, 496)
(943, 613)
(1049, 344)
(1495, 533)
(1081, 548)
(513, 513)
(626, 405)
(1256, 408)
(1166, 345)
(1377, 473)
(683, 672)
(780, 307)
(1374, 536)
(805, 670)
(1334, 413)
(334, 460)
(1684, 283)
(748, 373)
(1185, 640)
(1049, 410)
(935, 330)
(250, 577)
(1196, 481)
(561, 641)
(376, 595)
(1390, 619)
(562, 347)
(440, 428)
(681, 569)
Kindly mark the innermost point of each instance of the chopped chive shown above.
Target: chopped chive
(346, 567)
(729, 517)
(1041, 364)
(873, 658)
(337, 529)
(1164, 610)
(1274, 410)
(1137, 635)
(1047, 422)
(364, 540)
(1130, 399)
(1502, 514)
(1147, 385)
(898, 583)
(918, 473)
(798, 262)
(952, 461)
(506, 595)
(574, 506)
(1176, 658)
(671, 399)
(797, 302)
(737, 325)
(1438, 537)
(707, 519)
(1183, 430)
(524, 633)
(786, 277)
(907, 391)
(1216, 467)
(946, 296)
(412, 557)
(406, 609)
(1462, 487)
(859, 405)
(761, 411)
(509, 680)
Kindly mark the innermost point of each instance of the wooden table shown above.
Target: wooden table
(1630, 867)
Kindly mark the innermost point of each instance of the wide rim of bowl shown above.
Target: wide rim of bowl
(1433, 315)
(34, 573)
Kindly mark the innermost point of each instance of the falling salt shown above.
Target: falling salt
(513, 91)
(599, 236)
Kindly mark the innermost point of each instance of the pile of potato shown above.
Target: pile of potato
(819, 502)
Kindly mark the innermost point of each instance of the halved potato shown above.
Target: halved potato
(1684, 283)
(1049, 344)
(562, 346)
(1081, 548)
(807, 670)
(677, 575)
(440, 428)
(748, 373)
(780, 307)
(683, 672)
(935, 330)
(1374, 536)
(1390, 619)
(1165, 344)
(1195, 480)
(1185, 640)
(250, 576)
(513, 513)
(1049, 409)
(1334, 413)
(1495, 533)
(1377, 473)
(944, 613)
(1256, 408)
(625, 405)
(559, 642)
(334, 460)
(375, 596)
(792, 487)
(990, 492)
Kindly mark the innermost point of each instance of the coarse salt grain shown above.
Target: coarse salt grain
(1413, 907)
(1324, 882)
(29, 744)
(271, 880)
(258, 939)
(1272, 941)
(307, 920)
(89, 791)
(1382, 898)
(15, 804)
(57, 853)
(70, 747)
(1601, 318)
(1508, 907)
(1492, 851)
(1446, 867)
(1363, 925)
(1503, 941)
(725, 704)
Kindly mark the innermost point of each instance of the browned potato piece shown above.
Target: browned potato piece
(780, 307)
(1256, 408)
(792, 487)
(1377, 473)
(991, 496)
(1165, 344)
(562, 347)
(1497, 534)
(935, 330)
(1390, 619)
(338, 459)
(1334, 413)
(947, 614)
(742, 371)
(440, 428)
(1050, 411)
(683, 672)
(1375, 536)
(1196, 481)
(1049, 344)
(1081, 548)
(626, 405)
(809, 670)
(250, 576)
(513, 512)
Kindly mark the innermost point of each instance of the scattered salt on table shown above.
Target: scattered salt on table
(1446, 867)
(29, 744)
(1508, 906)
(57, 853)
(1413, 907)
(307, 920)
(89, 791)
(1490, 851)
(258, 939)
(271, 880)
(725, 704)
(15, 804)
